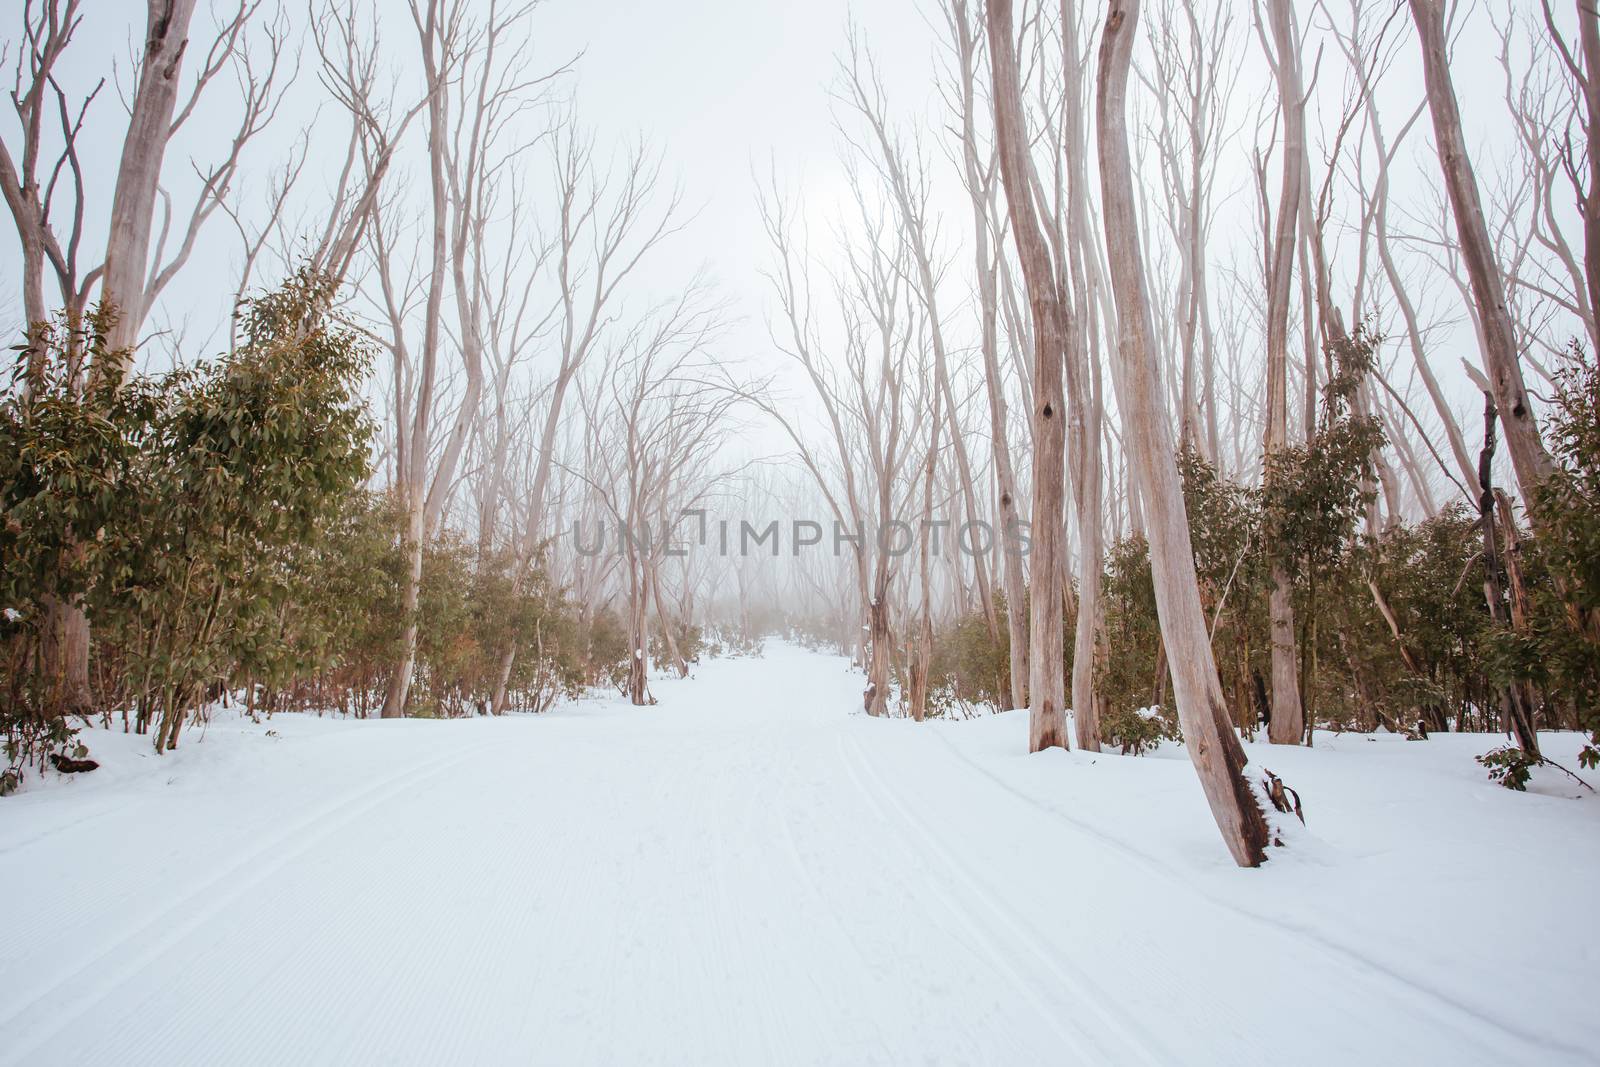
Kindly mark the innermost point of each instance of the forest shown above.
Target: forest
(1187, 378)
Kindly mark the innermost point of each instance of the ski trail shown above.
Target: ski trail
(1004, 935)
(1420, 994)
(749, 872)
(94, 979)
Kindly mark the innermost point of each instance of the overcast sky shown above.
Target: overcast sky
(722, 88)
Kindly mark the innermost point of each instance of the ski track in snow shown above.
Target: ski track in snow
(753, 872)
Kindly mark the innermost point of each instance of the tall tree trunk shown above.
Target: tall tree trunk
(1589, 200)
(1077, 257)
(1287, 722)
(1528, 456)
(133, 204)
(1217, 755)
(979, 189)
(1046, 649)
(1516, 701)
(436, 61)
(671, 639)
(876, 698)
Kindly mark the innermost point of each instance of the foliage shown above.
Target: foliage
(1138, 730)
(1135, 677)
(69, 466)
(1509, 766)
(605, 657)
(179, 511)
(1313, 494)
(1568, 545)
(242, 472)
(968, 665)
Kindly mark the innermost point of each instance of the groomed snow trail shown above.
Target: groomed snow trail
(750, 872)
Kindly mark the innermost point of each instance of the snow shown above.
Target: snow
(754, 872)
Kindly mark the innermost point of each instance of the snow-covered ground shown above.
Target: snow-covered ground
(753, 872)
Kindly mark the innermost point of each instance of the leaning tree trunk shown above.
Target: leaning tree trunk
(1528, 456)
(1147, 434)
(1589, 201)
(1046, 650)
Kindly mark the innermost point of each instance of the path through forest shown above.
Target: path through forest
(749, 872)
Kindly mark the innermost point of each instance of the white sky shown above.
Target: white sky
(723, 88)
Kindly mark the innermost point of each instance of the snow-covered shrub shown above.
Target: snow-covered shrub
(1138, 730)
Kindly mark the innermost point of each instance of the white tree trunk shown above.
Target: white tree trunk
(1147, 434)
(1046, 650)
(1528, 456)
(133, 204)
(1287, 722)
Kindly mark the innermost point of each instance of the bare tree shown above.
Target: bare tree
(665, 429)
(1193, 59)
(871, 405)
(905, 175)
(1497, 331)
(1580, 163)
(1050, 326)
(607, 223)
(1288, 722)
(475, 84)
(978, 175)
(1217, 754)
